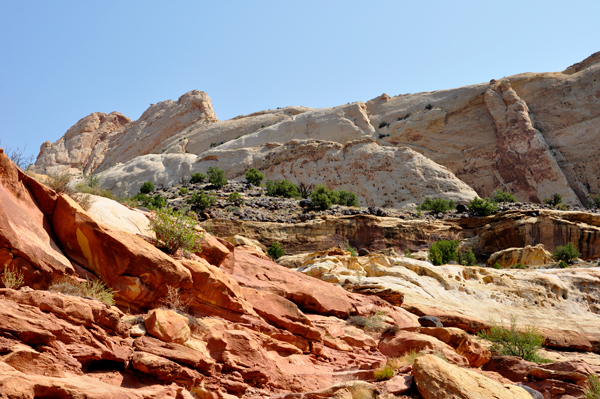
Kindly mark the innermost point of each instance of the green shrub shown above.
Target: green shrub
(593, 201)
(497, 266)
(175, 230)
(347, 198)
(95, 190)
(483, 207)
(522, 342)
(466, 258)
(350, 249)
(184, 190)
(407, 253)
(556, 200)
(216, 176)
(518, 266)
(12, 278)
(232, 208)
(443, 252)
(565, 253)
(91, 288)
(593, 391)
(202, 200)
(150, 202)
(147, 188)
(501, 196)
(275, 251)
(383, 373)
(254, 177)
(437, 205)
(429, 107)
(282, 188)
(562, 264)
(322, 198)
(236, 199)
(197, 178)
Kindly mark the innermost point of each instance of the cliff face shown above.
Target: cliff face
(533, 134)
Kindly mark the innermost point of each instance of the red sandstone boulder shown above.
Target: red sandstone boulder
(458, 339)
(168, 326)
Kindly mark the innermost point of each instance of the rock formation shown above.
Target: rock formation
(363, 167)
(532, 134)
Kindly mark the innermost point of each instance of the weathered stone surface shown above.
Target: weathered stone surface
(437, 379)
(120, 217)
(196, 359)
(399, 384)
(476, 354)
(530, 256)
(361, 166)
(164, 370)
(168, 326)
(405, 342)
(512, 367)
(27, 242)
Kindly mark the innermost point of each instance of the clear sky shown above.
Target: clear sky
(62, 60)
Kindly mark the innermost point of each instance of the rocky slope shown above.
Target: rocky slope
(532, 134)
(249, 327)
(362, 167)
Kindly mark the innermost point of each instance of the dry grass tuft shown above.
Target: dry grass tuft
(91, 288)
(12, 278)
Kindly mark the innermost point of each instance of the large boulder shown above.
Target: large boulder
(530, 255)
(168, 326)
(405, 342)
(437, 379)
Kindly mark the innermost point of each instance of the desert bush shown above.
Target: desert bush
(562, 264)
(497, 266)
(524, 342)
(593, 201)
(92, 180)
(91, 288)
(254, 177)
(232, 208)
(83, 199)
(443, 252)
(407, 253)
(85, 188)
(501, 196)
(305, 189)
(12, 278)
(593, 390)
(275, 251)
(175, 230)
(518, 266)
(555, 201)
(184, 190)
(483, 207)
(429, 107)
(350, 249)
(197, 178)
(407, 359)
(383, 373)
(383, 124)
(236, 199)
(151, 202)
(566, 253)
(322, 198)
(18, 157)
(347, 198)
(466, 258)
(437, 205)
(173, 300)
(147, 187)
(216, 176)
(59, 182)
(372, 323)
(357, 321)
(202, 200)
(282, 188)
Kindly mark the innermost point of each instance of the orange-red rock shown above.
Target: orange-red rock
(168, 326)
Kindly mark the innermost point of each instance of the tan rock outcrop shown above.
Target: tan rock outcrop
(532, 256)
(437, 379)
(405, 342)
(168, 326)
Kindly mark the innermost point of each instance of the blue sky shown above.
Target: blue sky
(62, 60)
